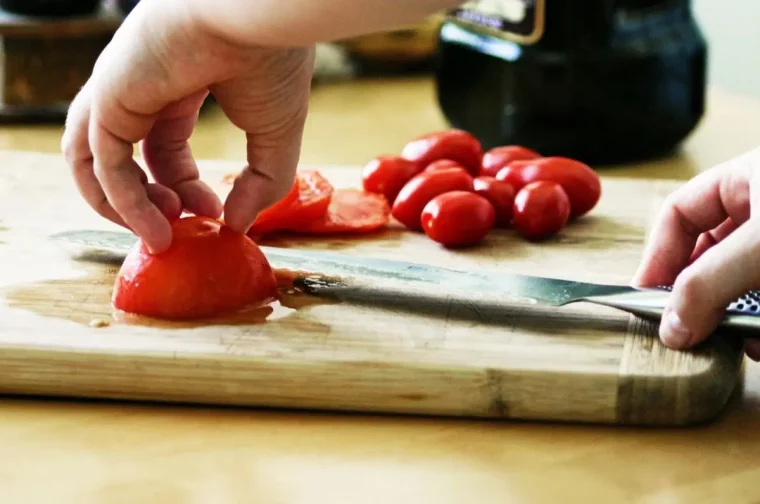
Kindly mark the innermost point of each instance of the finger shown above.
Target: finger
(712, 237)
(703, 290)
(76, 150)
(167, 153)
(272, 113)
(697, 207)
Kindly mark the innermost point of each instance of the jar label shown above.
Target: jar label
(517, 20)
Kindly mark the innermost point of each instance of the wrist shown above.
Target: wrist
(294, 23)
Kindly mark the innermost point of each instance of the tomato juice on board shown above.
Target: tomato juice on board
(601, 81)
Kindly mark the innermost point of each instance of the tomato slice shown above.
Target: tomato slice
(314, 195)
(351, 211)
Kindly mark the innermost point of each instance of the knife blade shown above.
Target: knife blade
(372, 279)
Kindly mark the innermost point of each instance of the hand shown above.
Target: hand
(148, 86)
(706, 242)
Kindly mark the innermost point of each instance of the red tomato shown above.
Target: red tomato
(579, 181)
(386, 175)
(458, 218)
(500, 194)
(453, 144)
(499, 157)
(442, 164)
(541, 210)
(314, 194)
(350, 211)
(423, 187)
(208, 270)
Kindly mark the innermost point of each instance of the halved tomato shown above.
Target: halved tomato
(208, 270)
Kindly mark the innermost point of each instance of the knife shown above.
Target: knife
(373, 280)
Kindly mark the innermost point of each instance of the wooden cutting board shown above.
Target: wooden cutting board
(579, 363)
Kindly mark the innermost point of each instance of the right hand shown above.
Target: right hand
(148, 86)
(706, 242)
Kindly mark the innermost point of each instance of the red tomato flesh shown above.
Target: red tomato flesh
(581, 184)
(454, 144)
(386, 175)
(407, 209)
(458, 218)
(350, 211)
(314, 194)
(500, 194)
(208, 270)
(541, 210)
(499, 157)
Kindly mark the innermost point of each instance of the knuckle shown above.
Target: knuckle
(692, 289)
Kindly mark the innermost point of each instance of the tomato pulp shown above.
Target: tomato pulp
(314, 194)
(350, 211)
(208, 270)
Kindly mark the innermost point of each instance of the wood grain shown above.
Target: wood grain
(581, 363)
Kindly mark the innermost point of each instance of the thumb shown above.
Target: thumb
(702, 291)
(270, 104)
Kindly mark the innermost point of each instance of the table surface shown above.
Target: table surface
(80, 452)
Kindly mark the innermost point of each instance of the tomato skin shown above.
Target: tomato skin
(454, 144)
(407, 209)
(386, 175)
(314, 194)
(580, 182)
(350, 211)
(541, 210)
(208, 270)
(500, 194)
(442, 164)
(499, 157)
(458, 218)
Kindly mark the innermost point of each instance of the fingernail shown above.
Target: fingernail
(673, 332)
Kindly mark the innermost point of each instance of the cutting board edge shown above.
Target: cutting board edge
(706, 392)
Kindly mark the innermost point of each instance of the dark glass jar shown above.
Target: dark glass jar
(52, 8)
(603, 81)
(126, 6)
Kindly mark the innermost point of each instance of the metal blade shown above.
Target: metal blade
(341, 272)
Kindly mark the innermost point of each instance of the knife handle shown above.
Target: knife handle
(742, 314)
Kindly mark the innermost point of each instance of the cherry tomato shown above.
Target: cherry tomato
(579, 181)
(442, 164)
(458, 218)
(208, 270)
(423, 187)
(454, 144)
(500, 194)
(386, 175)
(541, 209)
(499, 157)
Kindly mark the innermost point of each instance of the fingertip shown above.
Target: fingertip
(673, 332)
(250, 193)
(198, 198)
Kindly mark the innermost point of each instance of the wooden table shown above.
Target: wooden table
(75, 452)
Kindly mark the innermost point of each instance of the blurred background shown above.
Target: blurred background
(732, 29)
